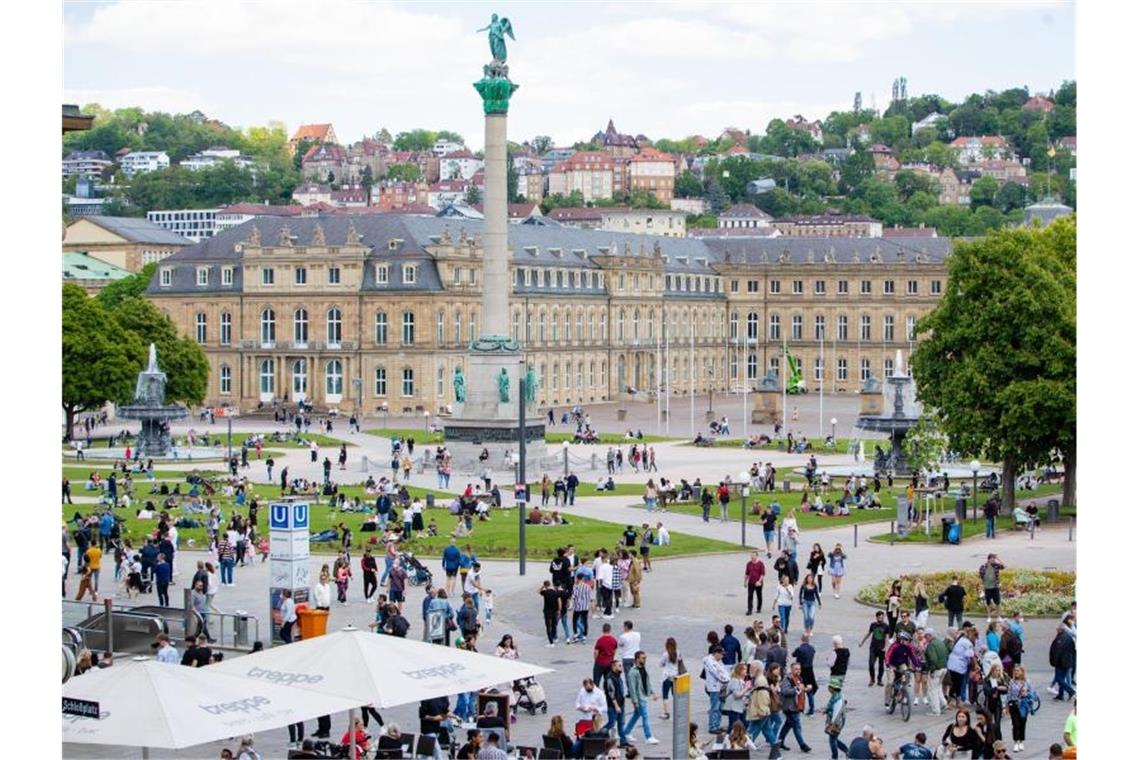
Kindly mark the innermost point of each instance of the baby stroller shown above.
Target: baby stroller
(418, 575)
(531, 695)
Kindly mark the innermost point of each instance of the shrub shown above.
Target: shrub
(1031, 592)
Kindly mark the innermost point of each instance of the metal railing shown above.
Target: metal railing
(231, 630)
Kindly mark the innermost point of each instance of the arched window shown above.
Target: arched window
(593, 325)
(733, 326)
(516, 319)
(753, 326)
(380, 386)
(333, 327)
(471, 327)
(578, 325)
(200, 327)
(267, 379)
(334, 380)
(381, 327)
(636, 325)
(555, 327)
(457, 326)
(621, 325)
(300, 328)
(566, 324)
(300, 380)
(542, 325)
(225, 380)
(529, 325)
(605, 329)
(439, 337)
(225, 333)
(409, 328)
(268, 328)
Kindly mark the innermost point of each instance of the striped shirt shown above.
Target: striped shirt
(581, 596)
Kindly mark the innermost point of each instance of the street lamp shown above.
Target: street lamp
(743, 478)
(384, 411)
(833, 421)
(565, 458)
(427, 416)
(975, 465)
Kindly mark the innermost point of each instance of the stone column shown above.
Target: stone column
(496, 277)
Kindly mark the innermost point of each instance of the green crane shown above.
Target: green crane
(795, 376)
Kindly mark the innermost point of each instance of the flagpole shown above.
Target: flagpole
(822, 375)
(785, 361)
(668, 379)
(692, 379)
(657, 377)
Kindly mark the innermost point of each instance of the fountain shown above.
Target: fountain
(899, 395)
(149, 406)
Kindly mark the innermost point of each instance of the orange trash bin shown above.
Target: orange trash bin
(312, 622)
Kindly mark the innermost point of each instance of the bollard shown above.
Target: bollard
(856, 527)
(109, 617)
(892, 532)
(1032, 529)
(1071, 519)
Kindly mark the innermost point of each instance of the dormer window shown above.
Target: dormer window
(227, 276)
(409, 274)
(203, 276)
(555, 252)
(531, 249)
(164, 278)
(381, 274)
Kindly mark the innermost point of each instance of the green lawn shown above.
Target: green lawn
(78, 474)
(788, 502)
(817, 446)
(323, 441)
(416, 434)
(613, 438)
(497, 537)
(970, 529)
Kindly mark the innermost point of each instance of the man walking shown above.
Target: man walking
(605, 648)
(640, 691)
(953, 598)
(936, 655)
(754, 581)
(793, 698)
(571, 488)
(716, 680)
(991, 585)
(614, 688)
(581, 598)
(877, 633)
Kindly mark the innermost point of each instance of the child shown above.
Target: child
(134, 577)
(488, 604)
(263, 548)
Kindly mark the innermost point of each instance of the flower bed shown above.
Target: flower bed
(1031, 592)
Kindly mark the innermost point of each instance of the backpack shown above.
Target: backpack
(834, 725)
(759, 703)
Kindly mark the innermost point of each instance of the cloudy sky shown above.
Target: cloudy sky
(665, 69)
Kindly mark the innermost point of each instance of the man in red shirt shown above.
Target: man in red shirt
(754, 581)
(604, 649)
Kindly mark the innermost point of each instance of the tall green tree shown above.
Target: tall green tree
(99, 357)
(131, 286)
(996, 364)
(404, 172)
(183, 361)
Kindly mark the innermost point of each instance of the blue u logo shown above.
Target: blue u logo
(300, 515)
(279, 516)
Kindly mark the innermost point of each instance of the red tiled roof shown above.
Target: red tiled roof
(652, 154)
(1038, 103)
(464, 153)
(257, 209)
(745, 211)
(318, 132)
(575, 214)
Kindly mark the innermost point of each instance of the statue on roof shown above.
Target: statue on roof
(496, 31)
(318, 235)
(254, 235)
(284, 235)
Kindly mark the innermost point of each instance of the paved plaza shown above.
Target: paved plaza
(684, 597)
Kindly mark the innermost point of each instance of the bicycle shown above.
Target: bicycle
(900, 693)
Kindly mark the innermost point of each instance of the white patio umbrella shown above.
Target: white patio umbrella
(375, 669)
(153, 704)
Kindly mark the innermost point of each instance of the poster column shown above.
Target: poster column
(288, 558)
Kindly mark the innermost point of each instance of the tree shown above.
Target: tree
(910, 182)
(542, 143)
(855, 168)
(472, 196)
(1010, 196)
(132, 286)
(983, 191)
(366, 180)
(183, 361)
(404, 173)
(450, 136)
(925, 444)
(892, 131)
(384, 136)
(688, 185)
(996, 365)
(99, 357)
(417, 139)
(717, 198)
(299, 154)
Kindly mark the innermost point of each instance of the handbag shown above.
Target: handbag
(681, 669)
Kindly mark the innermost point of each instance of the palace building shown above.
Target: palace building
(375, 311)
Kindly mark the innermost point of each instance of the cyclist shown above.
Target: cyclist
(901, 656)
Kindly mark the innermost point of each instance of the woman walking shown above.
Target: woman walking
(650, 496)
(894, 604)
(671, 664)
(995, 688)
(211, 587)
(785, 598)
(322, 592)
(809, 602)
(837, 568)
(1020, 701)
(816, 563)
(343, 574)
(737, 697)
(921, 604)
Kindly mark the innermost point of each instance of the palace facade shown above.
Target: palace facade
(376, 311)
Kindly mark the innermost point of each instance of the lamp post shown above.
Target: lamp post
(743, 478)
(229, 437)
(565, 458)
(975, 465)
(384, 411)
(833, 421)
(427, 417)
